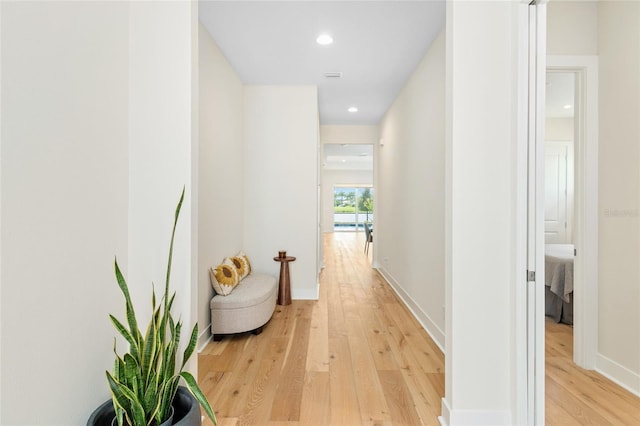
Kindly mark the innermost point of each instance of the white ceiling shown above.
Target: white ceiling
(377, 45)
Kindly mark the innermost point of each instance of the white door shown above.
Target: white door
(558, 192)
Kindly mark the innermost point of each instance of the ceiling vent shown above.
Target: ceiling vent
(333, 74)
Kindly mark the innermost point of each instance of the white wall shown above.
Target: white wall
(410, 192)
(481, 180)
(281, 181)
(349, 134)
(619, 195)
(64, 205)
(558, 129)
(97, 143)
(161, 144)
(221, 169)
(571, 27)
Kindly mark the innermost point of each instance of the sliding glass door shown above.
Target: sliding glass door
(352, 207)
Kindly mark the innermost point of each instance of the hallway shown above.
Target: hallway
(356, 356)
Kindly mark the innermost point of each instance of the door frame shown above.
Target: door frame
(585, 329)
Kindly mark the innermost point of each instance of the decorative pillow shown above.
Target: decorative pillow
(241, 263)
(224, 278)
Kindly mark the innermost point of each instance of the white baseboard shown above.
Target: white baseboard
(204, 338)
(618, 374)
(429, 325)
(446, 413)
(451, 417)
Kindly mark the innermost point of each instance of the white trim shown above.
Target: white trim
(451, 417)
(533, 329)
(446, 413)
(520, 403)
(618, 374)
(585, 330)
(436, 334)
(539, 365)
(206, 333)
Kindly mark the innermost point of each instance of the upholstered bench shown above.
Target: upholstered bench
(247, 308)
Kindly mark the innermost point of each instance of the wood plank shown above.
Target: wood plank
(287, 401)
(577, 395)
(231, 401)
(581, 412)
(377, 336)
(318, 353)
(399, 400)
(430, 361)
(261, 393)
(371, 397)
(345, 409)
(315, 404)
(335, 315)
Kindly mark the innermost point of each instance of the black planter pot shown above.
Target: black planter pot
(186, 411)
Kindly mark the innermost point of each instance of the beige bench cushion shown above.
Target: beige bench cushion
(248, 307)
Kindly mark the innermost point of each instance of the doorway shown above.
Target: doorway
(347, 190)
(578, 76)
(560, 124)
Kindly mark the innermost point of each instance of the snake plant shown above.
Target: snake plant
(145, 380)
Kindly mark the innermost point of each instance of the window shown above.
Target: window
(352, 207)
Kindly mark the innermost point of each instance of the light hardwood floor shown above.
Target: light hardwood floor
(580, 397)
(357, 357)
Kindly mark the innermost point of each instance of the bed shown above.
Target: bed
(558, 280)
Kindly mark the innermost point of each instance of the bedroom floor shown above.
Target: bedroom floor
(581, 397)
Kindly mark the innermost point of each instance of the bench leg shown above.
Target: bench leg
(258, 330)
(217, 337)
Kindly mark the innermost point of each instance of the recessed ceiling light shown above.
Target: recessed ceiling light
(353, 109)
(324, 39)
(567, 106)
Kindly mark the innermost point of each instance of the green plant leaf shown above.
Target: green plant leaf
(131, 315)
(193, 387)
(132, 370)
(149, 350)
(122, 394)
(168, 393)
(171, 299)
(118, 367)
(119, 415)
(133, 344)
(151, 398)
(173, 233)
(118, 397)
(191, 346)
